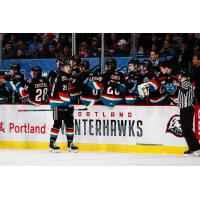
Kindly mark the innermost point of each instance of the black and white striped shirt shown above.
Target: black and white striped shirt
(186, 94)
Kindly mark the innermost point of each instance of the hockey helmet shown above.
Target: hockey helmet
(111, 64)
(16, 67)
(75, 58)
(36, 72)
(62, 64)
(61, 59)
(85, 64)
(147, 64)
(134, 62)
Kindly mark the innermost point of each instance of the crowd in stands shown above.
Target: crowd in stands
(51, 45)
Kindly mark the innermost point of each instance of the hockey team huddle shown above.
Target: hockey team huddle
(74, 83)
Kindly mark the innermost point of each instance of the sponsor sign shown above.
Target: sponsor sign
(132, 125)
(197, 121)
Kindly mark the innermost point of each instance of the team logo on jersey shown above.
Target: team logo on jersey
(2, 129)
(174, 126)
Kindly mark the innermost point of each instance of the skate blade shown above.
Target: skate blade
(191, 155)
(54, 151)
(72, 151)
(187, 155)
(195, 155)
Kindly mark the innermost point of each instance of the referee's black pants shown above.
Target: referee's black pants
(186, 120)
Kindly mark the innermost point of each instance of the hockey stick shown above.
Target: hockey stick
(42, 110)
(89, 107)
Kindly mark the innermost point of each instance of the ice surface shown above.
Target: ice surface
(43, 157)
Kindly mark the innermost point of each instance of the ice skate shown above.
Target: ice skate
(188, 153)
(196, 153)
(53, 147)
(72, 148)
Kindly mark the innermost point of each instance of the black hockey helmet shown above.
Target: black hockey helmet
(63, 63)
(85, 64)
(111, 64)
(147, 63)
(76, 59)
(36, 72)
(61, 59)
(15, 66)
(134, 62)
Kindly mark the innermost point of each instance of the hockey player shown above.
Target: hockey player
(75, 61)
(14, 77)
(168, 78)
(156, 93)
(5, 94)
(88, 95)
(132, 79)
(112, 84)
(63, 109)
(146, 71)
(75, 90)
(78, 81)
(15, 73)
(147, 74)
(53, 74)
(36, 89)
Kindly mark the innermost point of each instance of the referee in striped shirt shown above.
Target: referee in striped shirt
(186, 105)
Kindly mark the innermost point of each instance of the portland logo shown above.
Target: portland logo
(174, 126)
(2, 129)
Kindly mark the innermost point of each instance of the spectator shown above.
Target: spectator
(13, 40)
(84, 52)
(95, 50)
(191, 42)
(42, 52)
(146, 42)
(50, 39)
(168, 37)
(65, 52)
(52, 51)
(8, 51)
(21, 54)
(156, 45)
(122, 49)
(196, 76)
(111, 44)
(177, 39)
(63, 40)
(197, 43)
(98, 36)
(140, 50)
(22, 46)
(34, 46)
(168, 49)
(183, 55)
